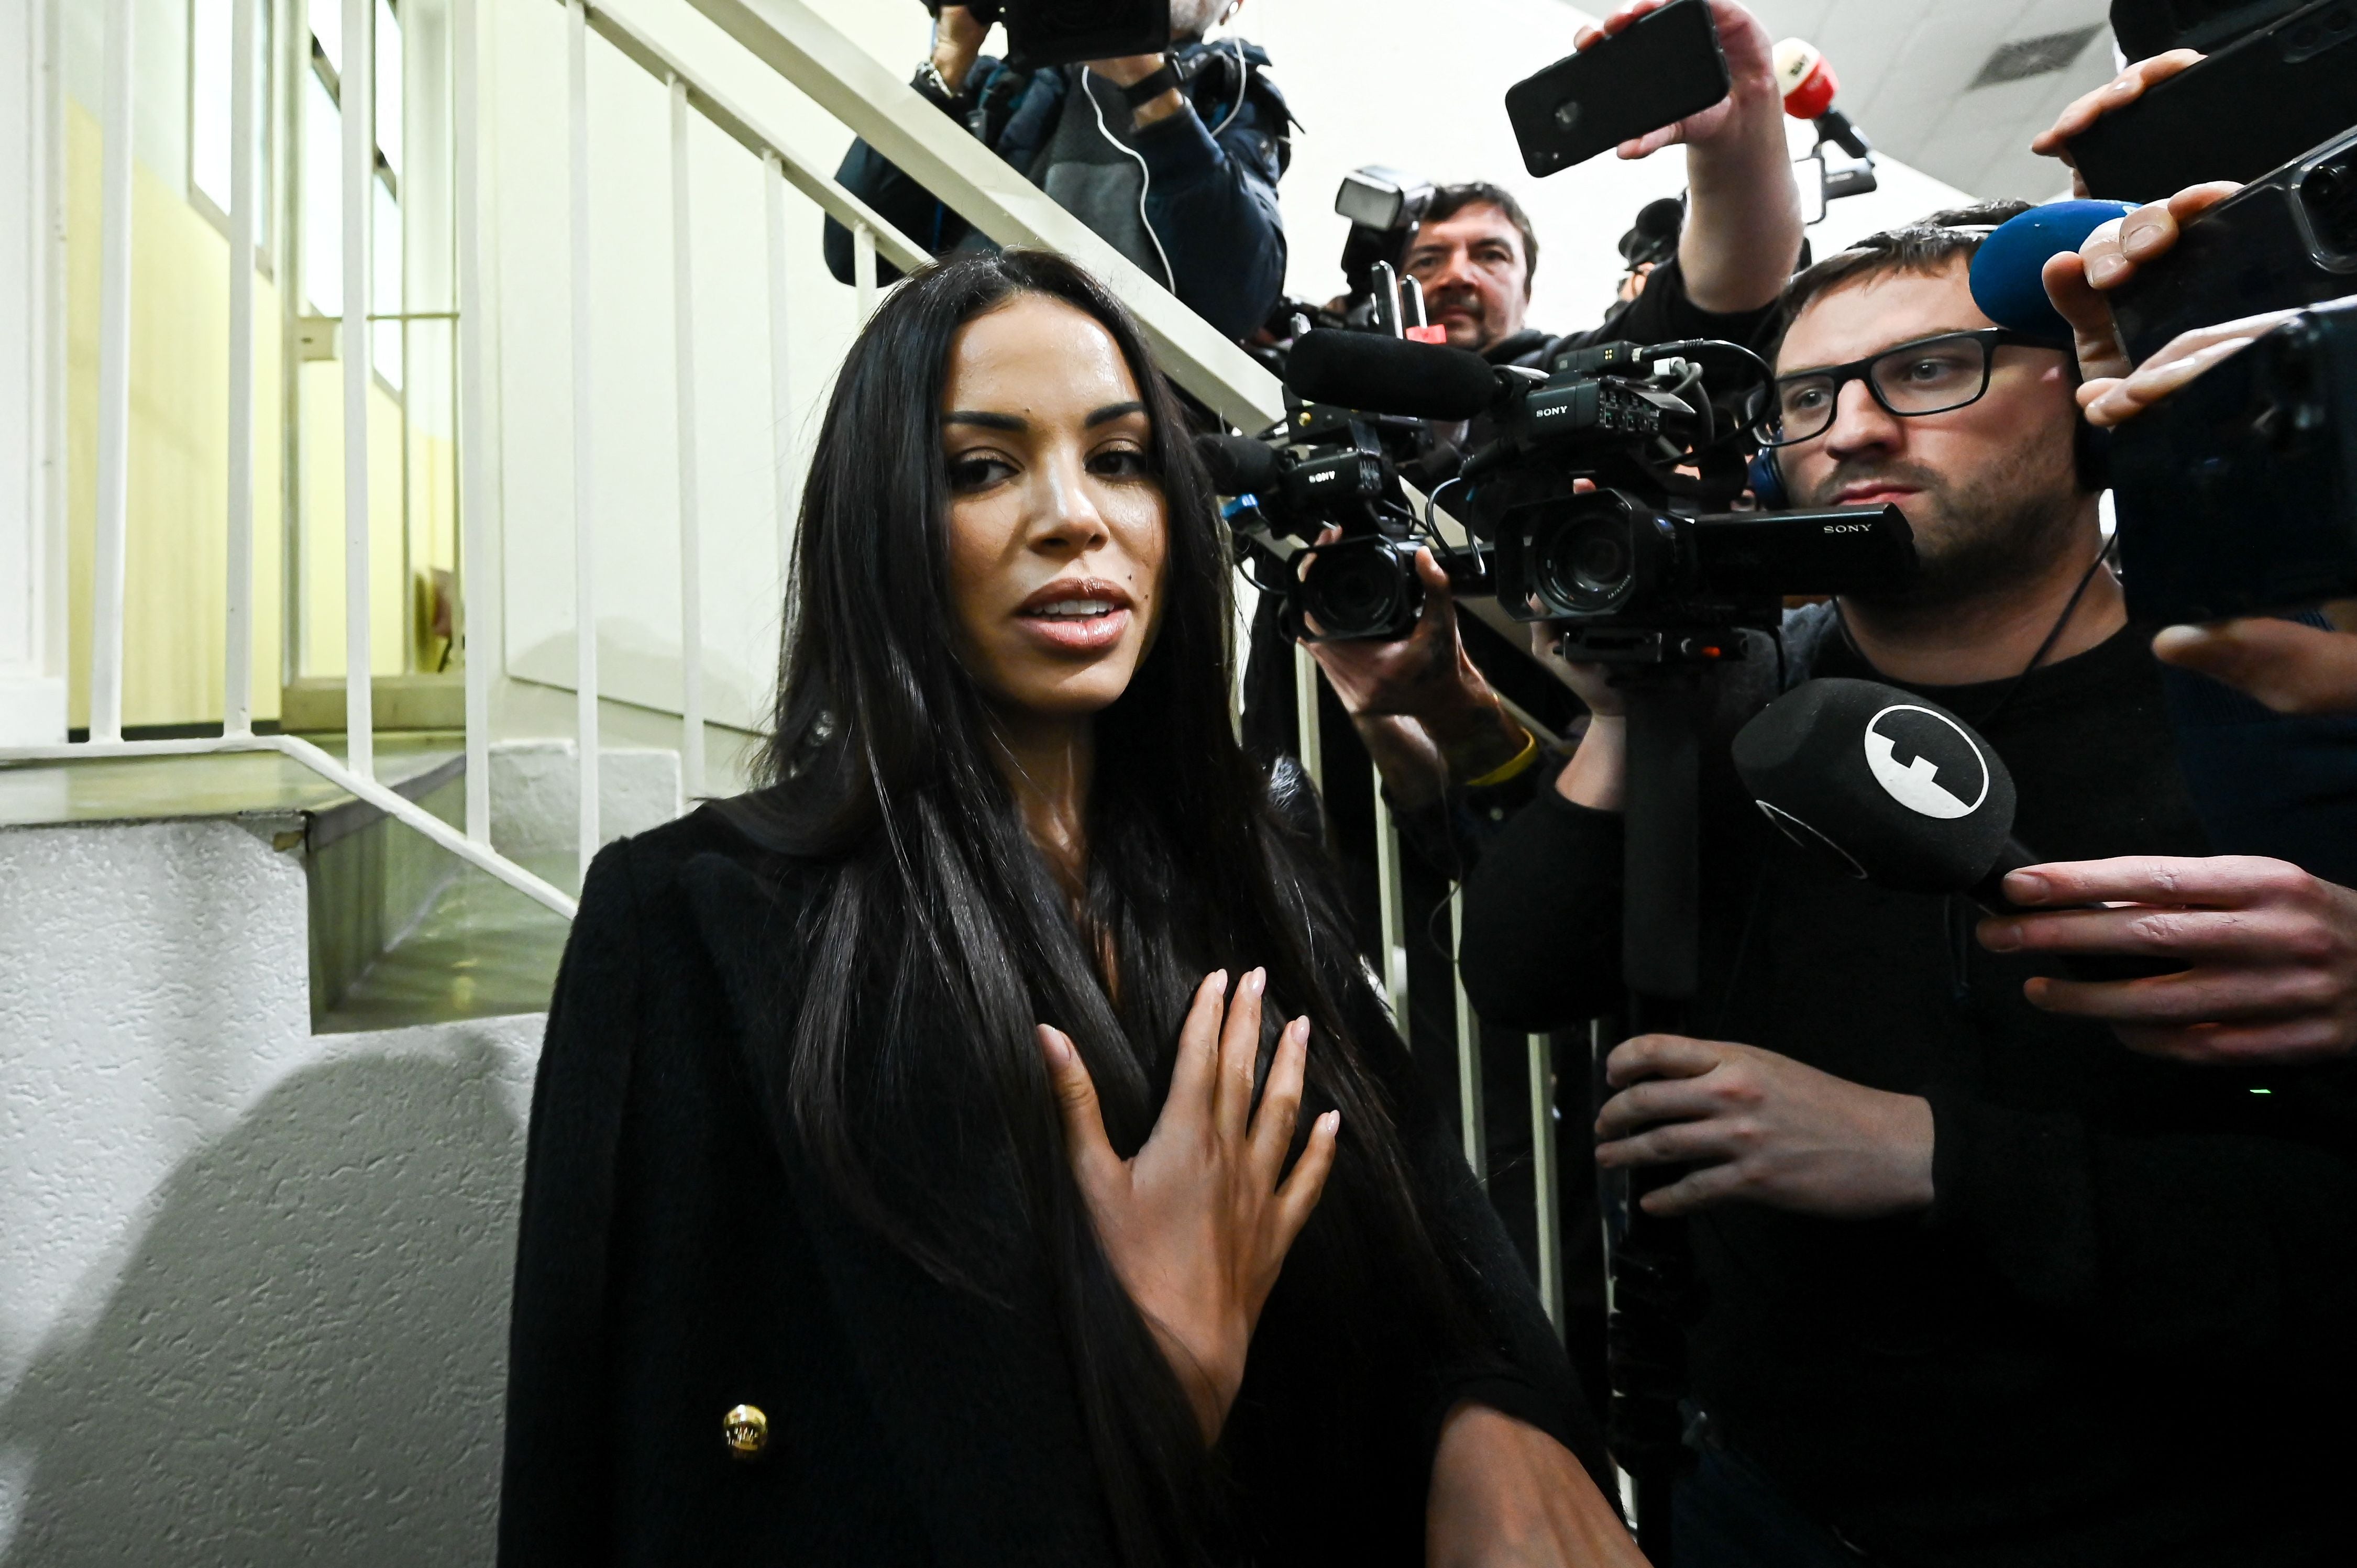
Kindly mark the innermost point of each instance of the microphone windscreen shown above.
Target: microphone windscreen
(1239, 465)
(1879, 783)
(2007, 278)
(1390, 375)
(1805, 78)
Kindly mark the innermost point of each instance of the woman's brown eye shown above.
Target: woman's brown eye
(1123, 463)
(976, 473)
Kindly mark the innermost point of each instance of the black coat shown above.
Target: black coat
(678, 1258)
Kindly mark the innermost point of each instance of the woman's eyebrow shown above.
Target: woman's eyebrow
(1014, 422)
(1113, 411)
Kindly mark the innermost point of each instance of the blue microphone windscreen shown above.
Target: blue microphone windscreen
(2007, 284)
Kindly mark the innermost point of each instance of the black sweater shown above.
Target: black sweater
(678, 1258)
(2120, 1334)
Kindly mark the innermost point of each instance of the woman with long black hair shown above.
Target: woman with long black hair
(923, 1167)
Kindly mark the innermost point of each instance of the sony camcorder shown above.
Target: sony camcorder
(1598, 502)
(1326, 468)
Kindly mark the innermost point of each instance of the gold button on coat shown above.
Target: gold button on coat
(746, 1431)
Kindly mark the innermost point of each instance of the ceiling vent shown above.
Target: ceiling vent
(2040, 56)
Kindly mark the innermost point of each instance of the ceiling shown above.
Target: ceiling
(1915, 77)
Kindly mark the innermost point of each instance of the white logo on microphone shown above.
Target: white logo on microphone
(1943, 765)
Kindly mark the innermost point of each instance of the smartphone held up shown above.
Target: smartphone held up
(1660, 69)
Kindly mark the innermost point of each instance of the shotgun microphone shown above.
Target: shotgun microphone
(1239, 465)
(1390, 375)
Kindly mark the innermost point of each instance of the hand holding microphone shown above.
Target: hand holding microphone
(2270, 953)
(2223, 959)
(1880, 785)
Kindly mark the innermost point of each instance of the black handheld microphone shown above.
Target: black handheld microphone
(1390, 375)
(1888, 788)
(1882, 786)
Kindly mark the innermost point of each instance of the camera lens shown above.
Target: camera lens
(1357, 589)
(2329, 194)
(1588, 566)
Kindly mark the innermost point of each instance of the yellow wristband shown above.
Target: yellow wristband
(1512, 769)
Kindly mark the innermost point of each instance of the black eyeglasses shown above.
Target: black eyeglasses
(1930, 375)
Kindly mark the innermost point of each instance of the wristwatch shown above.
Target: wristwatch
(1146, 89)
(934, 85)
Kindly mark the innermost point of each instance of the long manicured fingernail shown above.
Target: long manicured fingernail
(1060, 1049)
(1256, 982)
(1218, 982)
(1330, 1124)
(1300, 1028)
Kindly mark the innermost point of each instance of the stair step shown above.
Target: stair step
(479, 949)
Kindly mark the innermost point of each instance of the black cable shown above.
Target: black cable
(2053, 635)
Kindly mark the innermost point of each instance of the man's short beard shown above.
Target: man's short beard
(1190, 19)
(2003, 529)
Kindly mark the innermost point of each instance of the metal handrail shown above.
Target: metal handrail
(983, 189)
(356, 772)
(843, 80)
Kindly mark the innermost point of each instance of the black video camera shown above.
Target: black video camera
(1598, 496)
(2237, 493)
(1326, 467)
(2279, 77)
(1646, 566)
(1064, 32)
(2288, 239)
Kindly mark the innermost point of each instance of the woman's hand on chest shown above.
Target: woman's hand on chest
(1198, 1224)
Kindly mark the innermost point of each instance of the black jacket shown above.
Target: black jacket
(1210, 193)
(679, 1259)
(2122, 1333)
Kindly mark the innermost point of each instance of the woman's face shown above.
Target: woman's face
(1058, 530)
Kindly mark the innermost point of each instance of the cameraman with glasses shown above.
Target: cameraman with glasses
(1172, 158)
(1982, 1287)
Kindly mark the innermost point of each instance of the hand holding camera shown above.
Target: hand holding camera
(2085, 111)
(2079, 283)
(958, 35)
(1425, 678)
(2290, 666)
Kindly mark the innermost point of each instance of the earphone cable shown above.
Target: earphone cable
(1145, 177)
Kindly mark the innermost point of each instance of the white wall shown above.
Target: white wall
(253, 1283)
(633, 423)
(1389, 82)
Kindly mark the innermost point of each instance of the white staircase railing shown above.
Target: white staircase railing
(847, 83)
(813, 55)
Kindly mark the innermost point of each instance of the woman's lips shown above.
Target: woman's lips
(1076, 616)
(1076, 633)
